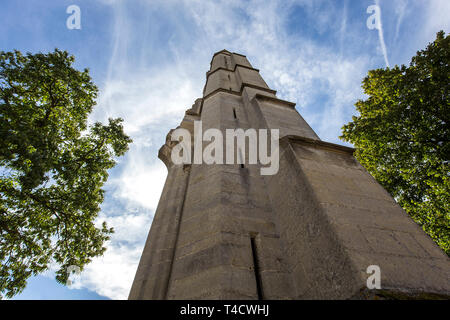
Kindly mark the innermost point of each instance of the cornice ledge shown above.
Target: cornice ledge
(276, 100)
(230, 70)
(317, 143)
(249, 85)
(238, 93)
(238, 54)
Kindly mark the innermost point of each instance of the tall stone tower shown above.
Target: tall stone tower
(308, 232)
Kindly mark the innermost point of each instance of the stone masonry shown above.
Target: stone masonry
(308, 232)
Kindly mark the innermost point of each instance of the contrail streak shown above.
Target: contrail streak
(381, 36)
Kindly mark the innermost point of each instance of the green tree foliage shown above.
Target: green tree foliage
(402, 135)
(52, 167)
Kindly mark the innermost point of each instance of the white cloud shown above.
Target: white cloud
(148, 98)
(112, 274)
(140, 181)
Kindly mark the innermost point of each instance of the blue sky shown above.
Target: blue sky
(149, 59)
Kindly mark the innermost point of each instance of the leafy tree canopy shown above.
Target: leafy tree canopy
(52, 167)
(402, 135)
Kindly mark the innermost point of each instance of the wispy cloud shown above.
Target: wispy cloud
(343, 30)
(381, 36)
(436, 18)
(400, 10)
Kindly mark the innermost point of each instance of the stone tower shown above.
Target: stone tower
(308, 232)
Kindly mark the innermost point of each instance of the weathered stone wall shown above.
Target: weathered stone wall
(308, 232)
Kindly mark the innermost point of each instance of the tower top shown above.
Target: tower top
(222, 51)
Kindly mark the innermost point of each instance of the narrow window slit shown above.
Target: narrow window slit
(256, 268)
(241, 158)
(234, 113)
